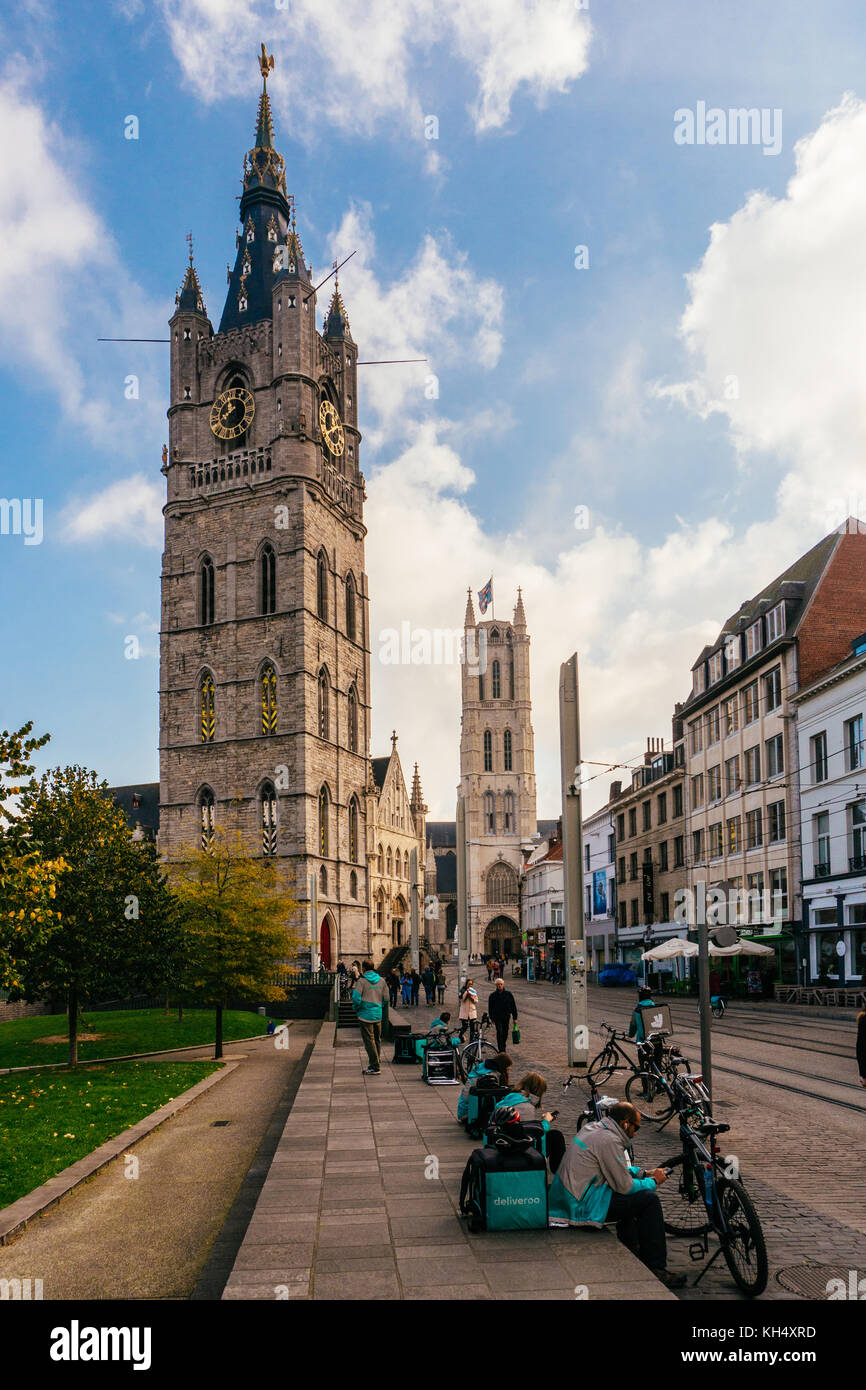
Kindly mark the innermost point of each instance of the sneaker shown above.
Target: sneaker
(372, 1071)
(670, 1280)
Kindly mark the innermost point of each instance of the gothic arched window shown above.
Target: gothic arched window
(380, 911)
(488, 751)
(497, 680)
(389, 862)
(506, 750)
(323, 879)
(324, 705)
(350, 607)
(509, 813)
(489, 814)
(267, 580)
(353, 831)
(353, 884)
(501, 884)
(269, 700)
(322, 586)
(323, 822)
(206, 591)
(207, 811)
(353, 721)
(208, 708)
(268, 804)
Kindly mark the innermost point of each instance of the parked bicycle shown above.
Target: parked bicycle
(596, 1107)
(478, 1049)
(612, 1057)
(649, 1090)
(703, 1199)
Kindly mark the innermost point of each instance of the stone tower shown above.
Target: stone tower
(497, 774)
(265, 657)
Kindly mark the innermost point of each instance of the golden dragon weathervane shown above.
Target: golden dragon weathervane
(266, 63)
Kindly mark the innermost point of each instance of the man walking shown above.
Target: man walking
(429, 980)
(501, 1008)
(368, 998)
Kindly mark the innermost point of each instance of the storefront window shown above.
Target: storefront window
(858, 953)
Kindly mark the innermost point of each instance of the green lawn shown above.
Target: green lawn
(52, 1119)
(121, 1034)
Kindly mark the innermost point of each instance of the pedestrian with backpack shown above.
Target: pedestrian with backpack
(368, 999)
(440, 984)
(429, 981)
(501, 1008)
(468, 1013)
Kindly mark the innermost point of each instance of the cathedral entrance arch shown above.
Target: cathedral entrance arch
(398, 921)
(327, 942)
(500, 936)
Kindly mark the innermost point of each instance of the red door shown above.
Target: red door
(325, 945)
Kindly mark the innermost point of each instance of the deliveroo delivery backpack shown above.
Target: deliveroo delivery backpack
(504, 1188)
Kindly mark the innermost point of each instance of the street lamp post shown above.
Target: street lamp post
(572, 864)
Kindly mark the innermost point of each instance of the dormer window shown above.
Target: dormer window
(242, 303)
(715, 667)
(776, 622)
(248, 265)
(251, 231)
(291, 267)
(272, 230)
(753, 639)
(699, 680)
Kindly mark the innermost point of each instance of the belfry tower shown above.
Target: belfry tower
(497, 774)
(265, 655)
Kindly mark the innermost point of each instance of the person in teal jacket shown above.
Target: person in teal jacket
(636, 1028)
(595, 1183)
(527, 1100)
(368, 999)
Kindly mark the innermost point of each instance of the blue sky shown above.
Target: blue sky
(558, 387)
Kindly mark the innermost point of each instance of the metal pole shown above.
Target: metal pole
(415, 946)
(462, 897)
(572, 864)
(704, 987)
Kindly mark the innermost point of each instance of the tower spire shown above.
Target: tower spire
(189, 298)
(519, 614)
(417, 800)
(469, 620)
(264, 247)
(336, 319)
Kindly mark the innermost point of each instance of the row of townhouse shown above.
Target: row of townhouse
(756, 806)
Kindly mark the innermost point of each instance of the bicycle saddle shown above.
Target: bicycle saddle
(712, 1127)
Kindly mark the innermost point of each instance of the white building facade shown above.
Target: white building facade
(599, 888)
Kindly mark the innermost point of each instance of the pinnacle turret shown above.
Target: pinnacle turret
(417, 800)
(469, 620)
(189, 298)
(336, 319)
(519, 614)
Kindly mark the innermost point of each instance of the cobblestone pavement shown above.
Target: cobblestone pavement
(802, 1160)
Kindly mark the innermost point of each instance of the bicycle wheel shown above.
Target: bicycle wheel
(602, 1067)
(682, 1199)
(744, 1249)
(473, 1053)
(648, 1096)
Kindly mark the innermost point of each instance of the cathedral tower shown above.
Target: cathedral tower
(265, 657)
(497, 774)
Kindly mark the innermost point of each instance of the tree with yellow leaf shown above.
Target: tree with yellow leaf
(240, 926)
(28, 881)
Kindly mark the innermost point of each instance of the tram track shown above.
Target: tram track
(820, 1046)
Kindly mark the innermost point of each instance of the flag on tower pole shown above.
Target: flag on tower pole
(485, 596)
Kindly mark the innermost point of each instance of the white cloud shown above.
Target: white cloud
(438, 309)
(53, 310)
(774, 324)
(363, 60)
(130, 509)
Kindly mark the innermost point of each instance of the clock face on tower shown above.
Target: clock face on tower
(232, 413)
(332, 430)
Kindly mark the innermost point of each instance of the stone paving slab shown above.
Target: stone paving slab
(348, 1211)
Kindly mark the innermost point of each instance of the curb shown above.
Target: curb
(14, 1218)
(135, 1056)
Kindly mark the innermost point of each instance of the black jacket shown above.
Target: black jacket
(501, 1005)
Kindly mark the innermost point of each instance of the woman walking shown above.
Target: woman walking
(468, 1012)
